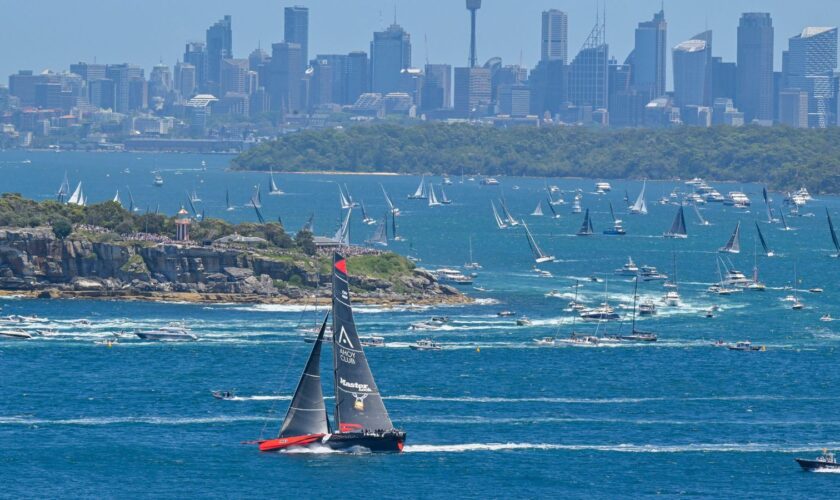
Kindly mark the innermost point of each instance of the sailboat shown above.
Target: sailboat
(420, 193)
(538, 211)
(272, 186)
(228, 206)
(734, 243)
(433, 201)
(617, 229)
(672, 296)
(770, 218)
(586, 228)
(703, 222)
(678, 226)
(394, 228)
(394, 210)
(499, 222)
(342, 198)
(539, 256)
(349, 197)
(640, 207)
(833, 234)
(361, 420)
(785, 226)
(554, 213)
(342, 235)
(508, 217)
(63, 190)
(132, 207)
(472, 264)
(443, 198)
(78, 196)
(256, 199)
(797, 304)
(637, 335)
(380, 236)
(756, 285)
(767, 251)
(117, 198)
(260, 217)
(366, 218)
(194, 196)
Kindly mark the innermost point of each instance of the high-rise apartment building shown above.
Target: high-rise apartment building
(555, 36)
(296, 30)
(754, 95)
(390, 53)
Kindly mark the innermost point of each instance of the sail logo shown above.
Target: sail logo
(359, 403)
(343, 338)
(354, 385)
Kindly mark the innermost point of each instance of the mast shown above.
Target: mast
(833, 233)
(553, 212)
(535, 249)
(635, 294)
(767, 251)
(307, 412)
(640, 207)
(358, 404)
(499, 221)
(703, 221)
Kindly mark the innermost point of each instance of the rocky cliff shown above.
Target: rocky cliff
(34, 261)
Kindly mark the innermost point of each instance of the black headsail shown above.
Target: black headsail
(307, 413)
(358, 405)
(833, 233)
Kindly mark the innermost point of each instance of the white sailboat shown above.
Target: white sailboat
(394, 210)
(117, 198)
(499, 222)
(256, 199)
(640, 207)
(472, 264)
(345, 202)
(511, 221)
(272, 186)
(443, 198)
(379, 236)
(367, 219)
(703, 222)
(420, 193)
(78, 196)
(734, 243)
(63, 190)
(433, 201)
(539, 256)
(342, 236)
(538, 211)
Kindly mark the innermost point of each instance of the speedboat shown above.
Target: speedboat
(672, 298)
(649, 273)
(172, 331)
(505, 314)
(372, 341)
(15, 335)
(826, 461)
(745, 345)
(815, 290)
(555, 294)
(543, 273)
(489, 181)
(797, 305)
(523, 321)
(602, 312)
(826, 318)
(426, 345)
(544, 341)
(228, 395)
(628, 269)
(433, 323)
(647, 308)
(575, 339)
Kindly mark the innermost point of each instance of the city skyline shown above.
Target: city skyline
(505, 31)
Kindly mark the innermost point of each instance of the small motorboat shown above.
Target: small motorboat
(171, 332)
(545, 341)
(505, 314)
(647, 308)
(815, 290)
(15, 335)
(826, 461)
(372, 341)
(523, 321)
(226, 395)
(745, 345)
(426, 345)
(639, 336)
(826, 318)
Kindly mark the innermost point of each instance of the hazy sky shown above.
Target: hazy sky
(39, 34)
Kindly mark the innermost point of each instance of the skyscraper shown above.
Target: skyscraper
(437, 88)
(472, 90)
(296, 30)
(195, 53)
(588, 78)
(185, 80)
(555, 36)
(219, 46)
(234, 77)
(648, 57)
(284, 83)
(127, 91)
(390, 53)
(754, 95)
(693, 71)
(809, 65)
(358, 75)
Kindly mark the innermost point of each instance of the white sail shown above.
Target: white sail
(272, 186)
(499, 222)
(255, 198)
(640, 207)
(345, 203)
(394, 210)
(342, 236)
(420, 193)
(433, 201)
(77, 198)
(538, 211)
(539, 256)
(117, 198)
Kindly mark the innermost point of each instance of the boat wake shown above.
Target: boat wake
(618, 448)
(17, 420)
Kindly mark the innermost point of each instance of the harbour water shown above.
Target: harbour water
(490, 415)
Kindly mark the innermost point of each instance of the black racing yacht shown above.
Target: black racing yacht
(826, 461)
(361, 420)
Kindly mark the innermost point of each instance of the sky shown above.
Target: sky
(41, 34)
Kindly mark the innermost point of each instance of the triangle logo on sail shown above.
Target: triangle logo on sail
(343, 338)
(342, 265)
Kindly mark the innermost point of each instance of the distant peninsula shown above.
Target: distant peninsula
(783, 158)
(102, 251)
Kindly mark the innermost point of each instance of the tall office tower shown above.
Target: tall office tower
(138, 93)
(284, 78)
(234, 77)
(505, 75)
(22, 86)
(555, 36)
(693, 71)
(514, 99)
(358, 75)
(588, 78)
(257, 58)
(754, 95)
(626, 105)
(724, 79)
(793, 108)
(123, 75)
(472, 91)
(390, 53)
(649, 56)
(328, 86)
(472, 6)
(88, 72)
(160, 81)
(102, 93)
(219, 47)
(296, 30)
(185, 80)
(549, 82)
(810, 63)
(437, 88)
(195, 53)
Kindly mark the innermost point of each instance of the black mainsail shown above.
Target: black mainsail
(678, 226)
(358, 405)
(307, 412)
(586, 227)
(767, 250)
(734, 243)
(833, 233)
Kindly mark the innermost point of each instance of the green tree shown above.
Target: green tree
(62, 228)
(304, 241)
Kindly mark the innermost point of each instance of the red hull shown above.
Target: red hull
(282, 443)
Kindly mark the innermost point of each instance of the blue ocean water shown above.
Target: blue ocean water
(490, 415)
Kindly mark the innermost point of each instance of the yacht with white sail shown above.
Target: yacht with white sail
(734, 243)
(640, 206)
(420, 193)
(539, 256)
